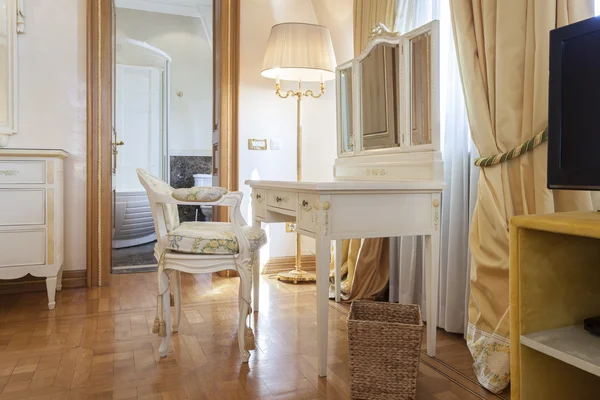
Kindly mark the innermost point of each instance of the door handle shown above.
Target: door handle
(115, 152)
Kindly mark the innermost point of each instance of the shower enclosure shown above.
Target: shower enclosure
(141, 112)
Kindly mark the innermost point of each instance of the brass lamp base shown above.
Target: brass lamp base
(295, 276)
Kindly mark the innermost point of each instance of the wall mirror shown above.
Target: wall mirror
(8, 67)
(420, 90)
(379, 96)
(344, 108)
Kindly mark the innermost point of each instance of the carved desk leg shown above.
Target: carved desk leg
(338, 271)
(432, 275)
(256, 272)
(323, 242)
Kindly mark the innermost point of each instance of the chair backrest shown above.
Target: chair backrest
(166, 216)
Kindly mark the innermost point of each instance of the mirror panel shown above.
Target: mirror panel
(379, 97)
(420, 54)
(345, 110)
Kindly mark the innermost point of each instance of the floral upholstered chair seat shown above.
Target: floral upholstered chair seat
(212, 238)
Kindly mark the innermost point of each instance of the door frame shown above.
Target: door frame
(100, 33)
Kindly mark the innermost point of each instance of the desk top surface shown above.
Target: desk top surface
(350, 185)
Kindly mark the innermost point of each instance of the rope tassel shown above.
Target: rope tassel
(162, 330)
(249, 342)
(514, 153)
(156, 325)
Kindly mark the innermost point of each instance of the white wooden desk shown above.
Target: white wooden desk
(340, 210)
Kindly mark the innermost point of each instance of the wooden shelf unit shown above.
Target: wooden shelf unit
(554, 286)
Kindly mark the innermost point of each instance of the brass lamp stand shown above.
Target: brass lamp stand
(298, 275)
(299, 52)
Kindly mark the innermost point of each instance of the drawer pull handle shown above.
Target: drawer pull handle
(304, 203)
(258, 196)
(278, 199)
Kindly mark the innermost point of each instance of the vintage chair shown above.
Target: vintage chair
(200, 247)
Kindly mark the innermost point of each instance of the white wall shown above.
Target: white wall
(52, 103)
(184, 40)
(263, 115)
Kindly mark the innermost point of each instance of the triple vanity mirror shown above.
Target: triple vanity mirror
(8, 67)
(388, 108)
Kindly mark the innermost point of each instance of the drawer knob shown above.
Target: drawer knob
(258, 196)
(304, 203)
(278, 199)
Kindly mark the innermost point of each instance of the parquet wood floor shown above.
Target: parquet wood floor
(97, 344)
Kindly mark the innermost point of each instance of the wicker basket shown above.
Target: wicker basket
(384, 341)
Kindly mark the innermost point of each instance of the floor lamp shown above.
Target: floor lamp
(302, 53)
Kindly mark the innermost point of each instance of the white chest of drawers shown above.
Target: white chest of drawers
(31, 216)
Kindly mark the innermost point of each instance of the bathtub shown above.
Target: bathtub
(133, 219)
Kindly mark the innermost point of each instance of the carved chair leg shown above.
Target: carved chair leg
(176, 288)
(163, 286)
(244, 306)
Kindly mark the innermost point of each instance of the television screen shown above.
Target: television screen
(574, 107)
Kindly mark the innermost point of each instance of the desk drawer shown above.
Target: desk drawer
(259, 202)
(21, 171)
(308, 213)
(282, 199)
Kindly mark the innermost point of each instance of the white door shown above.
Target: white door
(139, 123)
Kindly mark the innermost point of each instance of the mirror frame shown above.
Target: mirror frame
(338, 97)
(406, 94)
(12, 113)
(404, 88)
(391, 39)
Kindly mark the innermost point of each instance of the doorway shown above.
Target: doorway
(162, 118)
(219, 28)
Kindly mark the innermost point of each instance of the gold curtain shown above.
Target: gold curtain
(502, 49)
(368, 13)
(365, 268)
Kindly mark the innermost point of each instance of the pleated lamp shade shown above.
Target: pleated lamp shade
(298, 51)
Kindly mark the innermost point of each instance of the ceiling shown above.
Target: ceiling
(189, 8)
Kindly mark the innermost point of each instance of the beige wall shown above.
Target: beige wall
(184, 40)
(52, 103)
(264, 115)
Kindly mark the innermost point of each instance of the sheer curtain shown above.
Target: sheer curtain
(407, 279)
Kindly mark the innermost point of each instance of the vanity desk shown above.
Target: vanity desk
(388, 177)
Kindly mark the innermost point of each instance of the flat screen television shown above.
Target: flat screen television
(574, 107)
